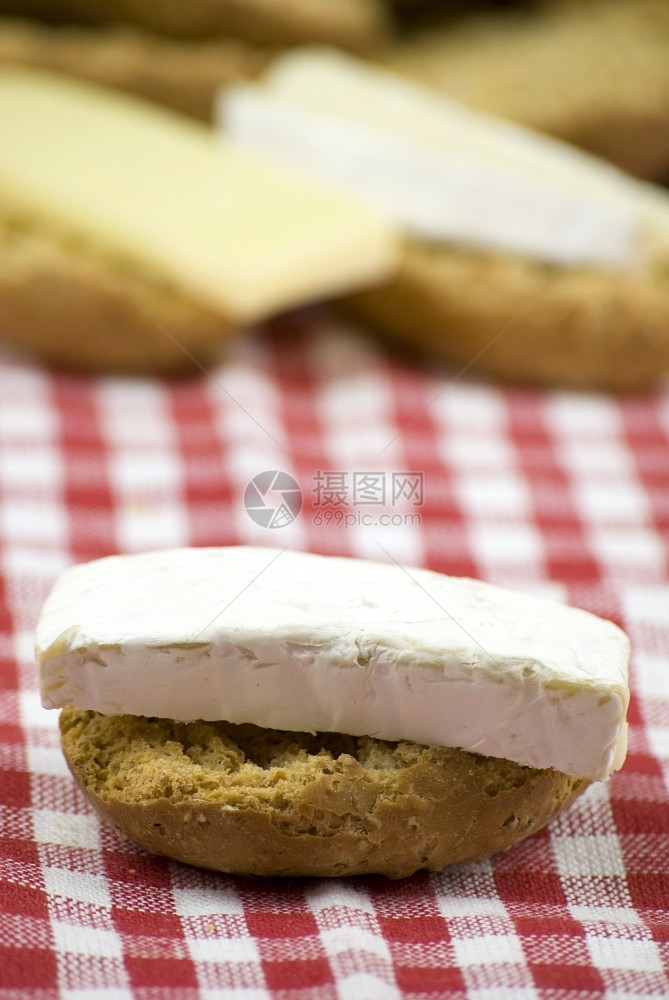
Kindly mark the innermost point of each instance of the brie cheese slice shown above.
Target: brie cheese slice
(169, 198)
(445, 172)
(295, 641)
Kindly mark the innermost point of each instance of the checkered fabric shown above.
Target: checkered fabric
(566, 495)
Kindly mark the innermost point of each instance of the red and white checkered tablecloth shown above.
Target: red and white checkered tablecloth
(564, 494)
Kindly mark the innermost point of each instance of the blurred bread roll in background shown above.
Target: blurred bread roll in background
(350, 23)
(184, 74)
(592, 72)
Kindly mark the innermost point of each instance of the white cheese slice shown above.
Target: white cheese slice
(445, 172)
(170, 197)
(302, 642)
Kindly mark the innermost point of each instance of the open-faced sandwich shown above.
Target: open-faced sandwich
(526, 258)
(133, 238)
(267, 712)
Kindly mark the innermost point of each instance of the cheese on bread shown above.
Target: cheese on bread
(170, 198)
(447, 173)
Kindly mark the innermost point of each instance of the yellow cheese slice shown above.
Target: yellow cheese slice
(173, 198)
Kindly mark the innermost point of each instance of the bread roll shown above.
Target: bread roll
(523, 321)
(351, 23)
(252, 801)
(73, 308)
(184, 74)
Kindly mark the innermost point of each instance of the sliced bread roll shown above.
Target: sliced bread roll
(351, 23)
(525, 322)
(184, 74)
(69, 305)
(253, 801)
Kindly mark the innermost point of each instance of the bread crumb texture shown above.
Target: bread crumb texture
(261, 802)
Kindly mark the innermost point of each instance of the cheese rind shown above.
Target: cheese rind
(297, 641)
(170, 198)
(446, 172)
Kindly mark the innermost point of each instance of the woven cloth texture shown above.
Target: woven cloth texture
(562, 494)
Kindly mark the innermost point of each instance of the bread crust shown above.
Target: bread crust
(74, 310)
(522, 321)
(183, 74)
(349, 23)
(256, 802)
